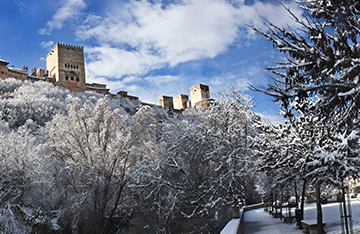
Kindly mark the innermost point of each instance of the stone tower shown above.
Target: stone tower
(199, 95)
(165, 102)
(65, 64)
(180, 101)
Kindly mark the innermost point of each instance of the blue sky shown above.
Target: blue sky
(151, 47)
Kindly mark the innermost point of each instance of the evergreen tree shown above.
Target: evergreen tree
(33, 71)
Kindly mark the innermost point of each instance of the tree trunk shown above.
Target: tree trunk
(281, 202)
(303, 199)
(296, 196)
(320, 226)
(344, 210)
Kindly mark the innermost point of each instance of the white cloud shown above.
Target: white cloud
(19, 3)
(161, 80)
(144, 36)
(68, 10)
(47, 45)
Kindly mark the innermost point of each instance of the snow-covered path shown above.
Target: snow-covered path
(260, 222)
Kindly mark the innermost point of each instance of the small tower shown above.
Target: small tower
(199, 95)
(180, 102)
(165, 102)
(40, 72)
(65, 64)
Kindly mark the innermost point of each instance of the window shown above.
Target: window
(2, 72)
(66, 78)
(77, 79)
(72, 78)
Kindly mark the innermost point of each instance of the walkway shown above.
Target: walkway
(260, 222)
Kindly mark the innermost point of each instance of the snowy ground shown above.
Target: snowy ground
(260, 222)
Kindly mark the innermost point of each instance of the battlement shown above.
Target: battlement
(67, 46)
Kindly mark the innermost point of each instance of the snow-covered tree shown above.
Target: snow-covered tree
(319, 78)
(24, 181)
(91, 152)
(322, 61)
(205, 160)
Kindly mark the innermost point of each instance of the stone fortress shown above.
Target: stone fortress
(65, 67)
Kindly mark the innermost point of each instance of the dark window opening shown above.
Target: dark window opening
(77, 79)
(72, 78)
(66, 78)
(2, 72)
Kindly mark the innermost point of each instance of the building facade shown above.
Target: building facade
(3, 69)
(65, 64)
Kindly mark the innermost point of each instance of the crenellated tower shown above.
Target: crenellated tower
(65, 64)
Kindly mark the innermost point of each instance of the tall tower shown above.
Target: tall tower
(200, 95)
(65, 64)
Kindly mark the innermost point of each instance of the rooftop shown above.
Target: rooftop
(3, 61)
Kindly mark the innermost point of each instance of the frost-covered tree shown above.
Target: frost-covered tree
(278, 150)
(320, 75)
(90, 150)
(322, 61)
(38, 101)
(230, 123)
(205, 160)
(24, 181)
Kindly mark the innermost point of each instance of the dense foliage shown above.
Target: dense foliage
(85, 163)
